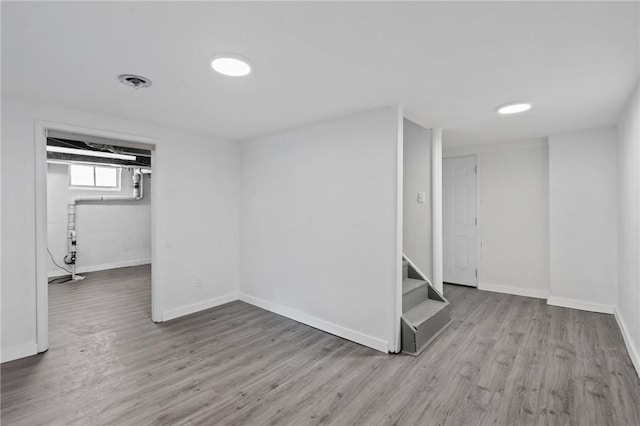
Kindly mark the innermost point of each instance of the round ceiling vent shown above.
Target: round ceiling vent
(135, 81)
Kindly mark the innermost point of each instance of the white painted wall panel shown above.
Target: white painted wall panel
(583, 218)
(629, 222)
(318, 215)
(417, 219)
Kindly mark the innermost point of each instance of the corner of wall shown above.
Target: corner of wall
(628, 340)
(579, 304)
(320, 324)
(517, 291)
(199, 306)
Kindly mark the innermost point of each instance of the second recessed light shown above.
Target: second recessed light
(514, 107)
(231, 65)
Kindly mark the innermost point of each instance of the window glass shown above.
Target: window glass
(106, 176)
(94, 177)
(81, 175)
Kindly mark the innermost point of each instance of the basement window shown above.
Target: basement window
(94, 177)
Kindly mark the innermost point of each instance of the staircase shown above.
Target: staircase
(425, 312)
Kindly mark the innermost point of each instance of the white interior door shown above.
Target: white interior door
(460, 220)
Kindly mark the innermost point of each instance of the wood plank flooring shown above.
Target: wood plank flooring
(505, 360)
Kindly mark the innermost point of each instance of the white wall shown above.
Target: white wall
(110, 235)
(583, 219)
(513, 216)
(196, 217)
(628, 311)
(318, 215)
(417, 242)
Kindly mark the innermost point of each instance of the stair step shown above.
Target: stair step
(409, 284)
(422, 312)
(425, 311)
(414, 292)
(422, 324)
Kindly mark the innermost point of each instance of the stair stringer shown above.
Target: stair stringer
(415, 272)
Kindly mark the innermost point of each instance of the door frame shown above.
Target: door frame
(398, 130)
(478, 214)
(437, 209)
(42, 289)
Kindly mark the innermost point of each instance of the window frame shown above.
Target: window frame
(95, 187)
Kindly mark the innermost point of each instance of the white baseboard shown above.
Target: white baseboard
(320, 324)
(633, 353)
(518, 291)
(579, 304)
(197, 307)
(101, 267)
(20, 351)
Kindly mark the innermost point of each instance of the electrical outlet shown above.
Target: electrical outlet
(421, 197)
(199, 282)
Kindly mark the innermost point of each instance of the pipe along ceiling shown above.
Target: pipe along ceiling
(142, 156)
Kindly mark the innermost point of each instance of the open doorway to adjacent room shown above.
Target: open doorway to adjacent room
(95, 236)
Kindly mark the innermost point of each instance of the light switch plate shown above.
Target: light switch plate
(421, 197)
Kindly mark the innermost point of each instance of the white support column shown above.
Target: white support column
(398, 129)
(42, 284)
(436, 191)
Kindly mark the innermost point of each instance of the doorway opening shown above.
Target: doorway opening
(94, 233)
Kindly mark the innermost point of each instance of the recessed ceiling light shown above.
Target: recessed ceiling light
(514, 107)
(230, 65)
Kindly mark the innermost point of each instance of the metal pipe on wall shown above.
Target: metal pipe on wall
(70, 258)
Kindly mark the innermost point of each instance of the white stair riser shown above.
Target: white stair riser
(414, 341)
(415, 297)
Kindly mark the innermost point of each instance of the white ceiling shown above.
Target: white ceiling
(450, 64)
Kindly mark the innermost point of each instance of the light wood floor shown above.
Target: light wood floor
(504, 360)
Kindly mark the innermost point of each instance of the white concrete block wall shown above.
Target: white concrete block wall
(109, 235)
